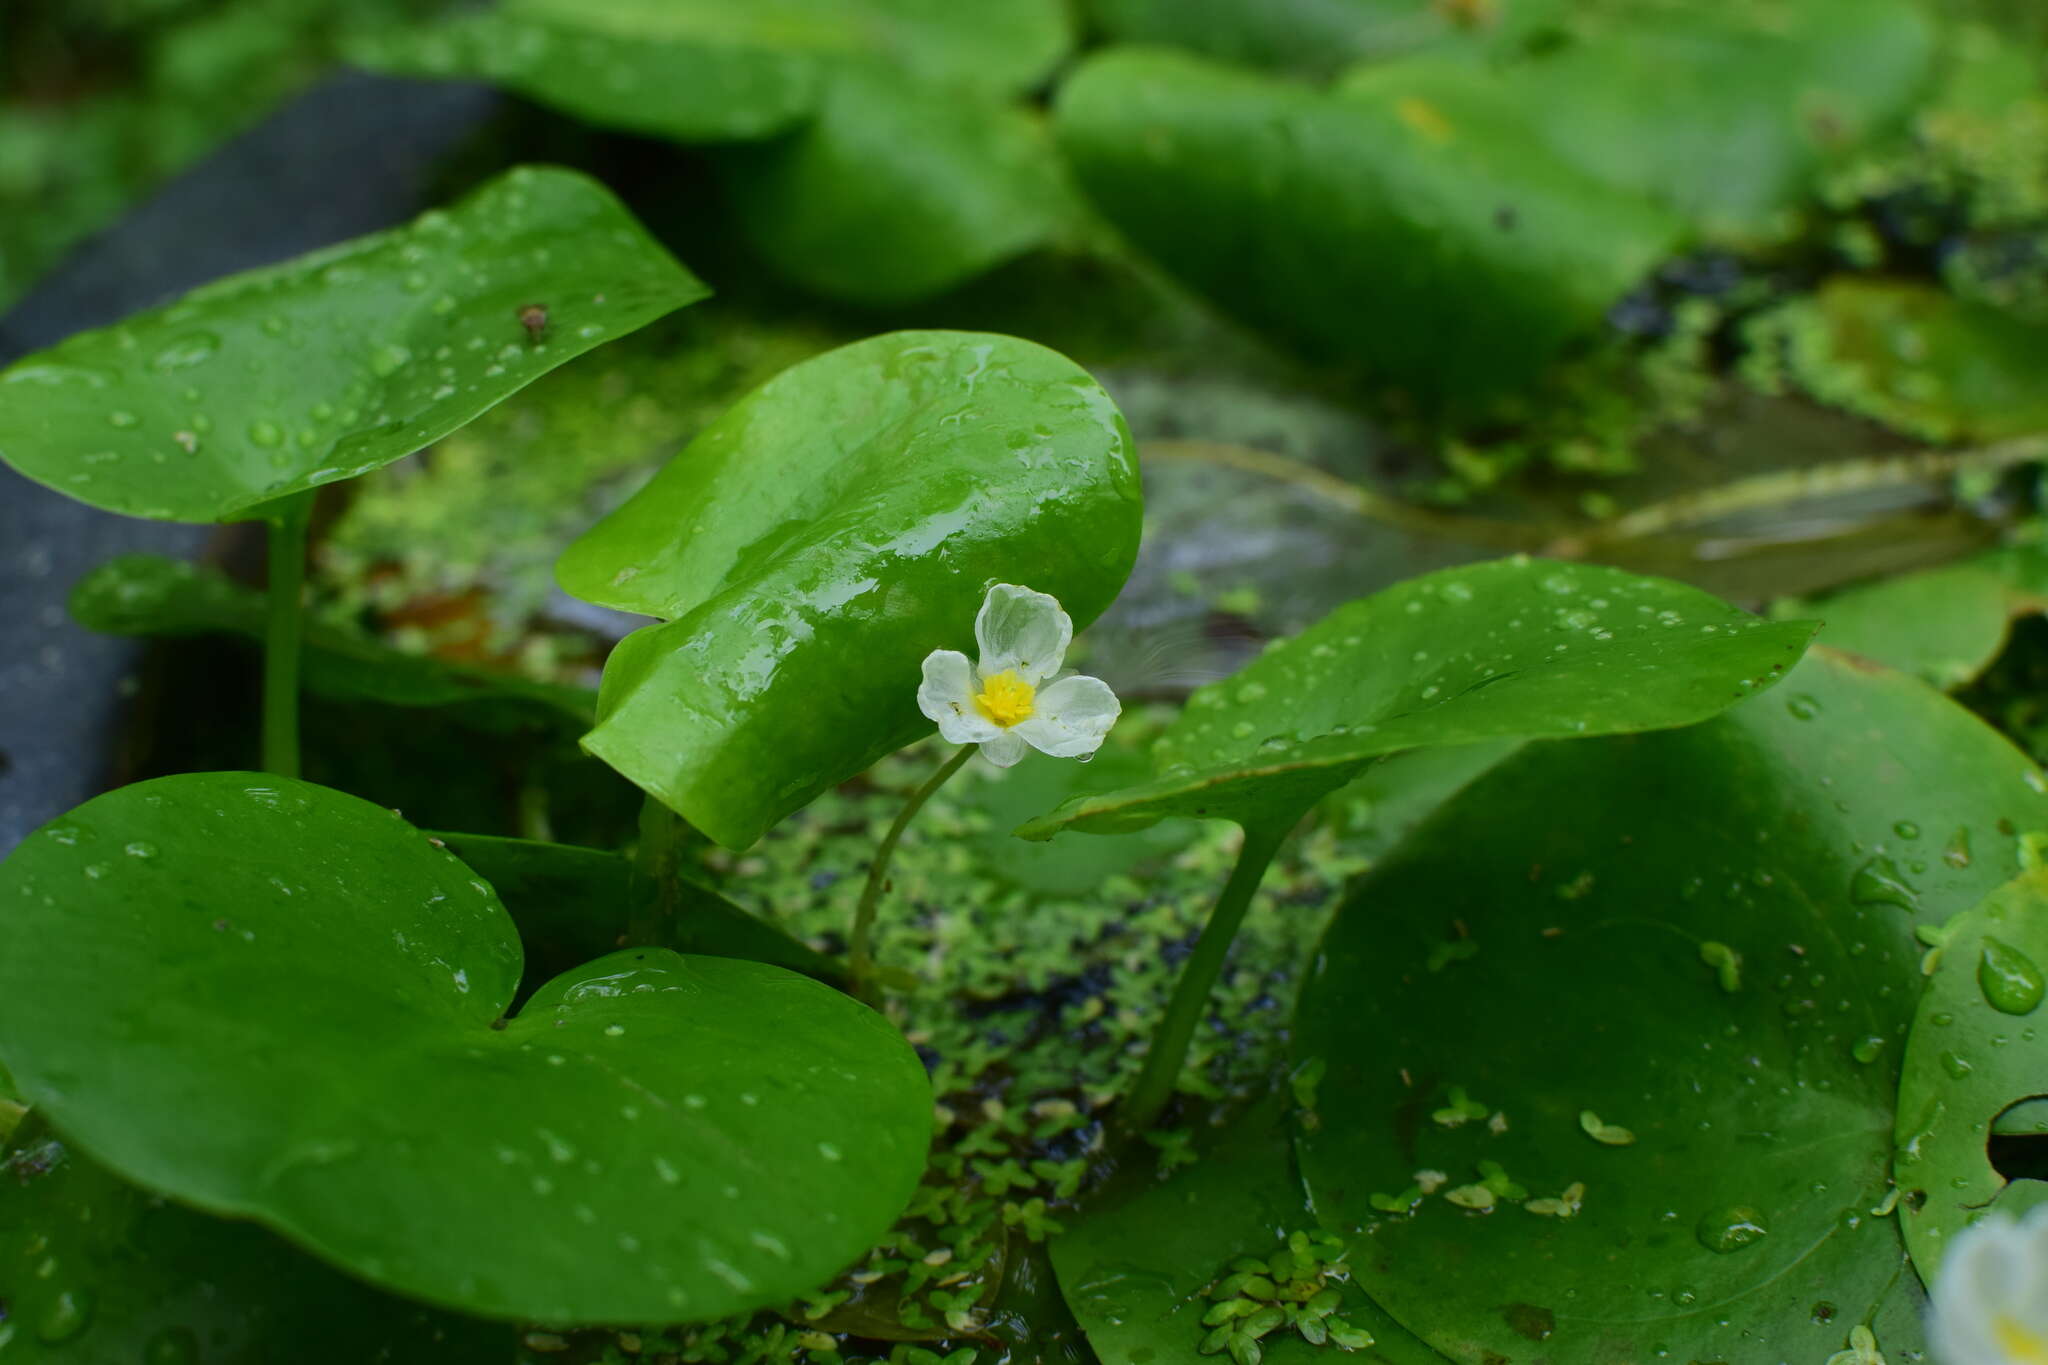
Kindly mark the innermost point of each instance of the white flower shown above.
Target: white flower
(1991, 1297)
(1007, 701)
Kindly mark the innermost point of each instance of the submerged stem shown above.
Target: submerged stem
(1169, 1051)
(284, 634)
(860, 951)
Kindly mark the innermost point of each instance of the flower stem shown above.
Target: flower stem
(1169, 1051)
(860, 949)
(284, 634)
(649, 920)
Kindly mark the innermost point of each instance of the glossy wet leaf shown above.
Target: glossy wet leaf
(713, 71)
(652, 1138)
(150, 595)
(1512, 649)
(896, 190)
(271, 382)
(94, 1270)
(1946, 625)
(1136, 1267)
(573, 904)
(1723, 115)
(1807, 832)
(1917, 358)
(1446, 260)
(813, 544)
(1976, 1050)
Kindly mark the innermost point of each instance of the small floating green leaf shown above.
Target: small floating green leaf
(1609, 1134)
(1726, 962)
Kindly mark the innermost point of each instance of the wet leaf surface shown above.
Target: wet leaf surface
(1515, 648)
(271, 382)
(652, 1138)
(1703, 938)
(94, 1270)
(1137, 1269)
(1976, 1051)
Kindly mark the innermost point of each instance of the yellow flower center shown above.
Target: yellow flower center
(2020, 1342)
(1005, 698)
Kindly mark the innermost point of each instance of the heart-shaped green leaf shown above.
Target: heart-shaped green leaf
(651, 1138)
(1685, 963)
(1451, 260)
(817, 541)
(713, 71)
(896, 190)
(1515, 648)
(151, 595)
(94, 1270)
(1141, 1268)
(572, 904)
(268, 383)
(1976, 1050)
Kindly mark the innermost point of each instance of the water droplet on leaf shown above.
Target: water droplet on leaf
(2010, 981)
(1730, 1229)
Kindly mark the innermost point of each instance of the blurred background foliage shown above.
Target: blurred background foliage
(1753, 294)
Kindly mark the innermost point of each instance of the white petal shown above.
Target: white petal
(2031, 1308)
(1004, 749)
(1022, 630)
(1070, 717)
(947, 696)
(1990, 1270)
